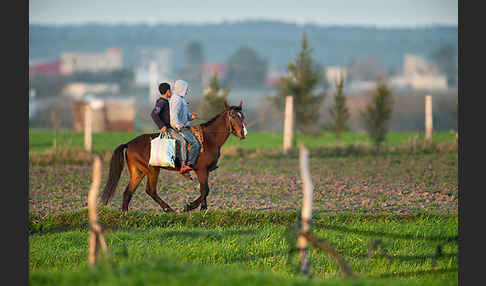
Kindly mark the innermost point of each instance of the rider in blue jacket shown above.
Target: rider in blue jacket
(179, 120)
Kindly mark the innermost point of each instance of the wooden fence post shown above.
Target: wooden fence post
(306, 210)
(428, 120)
(87, 127)
(96, 238)
(288, 123)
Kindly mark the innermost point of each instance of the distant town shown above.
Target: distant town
(131, 76)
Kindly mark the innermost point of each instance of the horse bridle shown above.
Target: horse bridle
(231, 129)
(229, 125)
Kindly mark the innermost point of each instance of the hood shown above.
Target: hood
(180, 87)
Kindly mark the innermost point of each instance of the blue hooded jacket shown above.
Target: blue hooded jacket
(179, 112)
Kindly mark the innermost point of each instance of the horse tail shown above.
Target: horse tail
(116, 167)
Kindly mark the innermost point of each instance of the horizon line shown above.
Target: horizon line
(238, 21)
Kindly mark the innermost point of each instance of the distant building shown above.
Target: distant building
(209, 68)
(360, 86)
(428, 82)
(109, 60)
(107, 115)
(413, 65)
(161, 61)
(45, 68)
(78, 90)
(418, 74)
(334, 74)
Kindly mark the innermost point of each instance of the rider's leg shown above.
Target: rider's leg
(183, 144)
(195, 146)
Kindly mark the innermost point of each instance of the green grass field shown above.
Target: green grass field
(41, 140)
(241, 248)
(407, 200)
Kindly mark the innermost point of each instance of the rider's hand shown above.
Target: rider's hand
(193, 115)
(163, 129)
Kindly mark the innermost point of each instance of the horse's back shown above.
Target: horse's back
(140, 146)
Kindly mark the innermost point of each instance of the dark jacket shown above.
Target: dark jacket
(161, 114)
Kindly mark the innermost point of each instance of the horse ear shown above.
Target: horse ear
(241, 103)
(226, 106)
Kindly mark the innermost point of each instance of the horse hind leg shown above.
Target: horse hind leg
(151, 190)
(136, 177)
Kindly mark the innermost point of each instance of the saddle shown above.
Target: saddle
(198, 133)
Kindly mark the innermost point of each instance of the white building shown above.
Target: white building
(418, 74)
(109, 60)
(162, 59)
(78, 90)
(334, 74)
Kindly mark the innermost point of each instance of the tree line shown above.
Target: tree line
(305, 82)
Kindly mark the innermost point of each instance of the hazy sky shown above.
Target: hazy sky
(382, 13)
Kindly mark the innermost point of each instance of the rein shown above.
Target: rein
(230, 128)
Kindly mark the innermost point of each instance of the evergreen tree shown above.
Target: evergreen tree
(304, 77)
(214, 98)
(378, 113)
(339, 111)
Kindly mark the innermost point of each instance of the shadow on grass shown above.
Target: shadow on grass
(388, 235)
(403, 258)
(416, 273)
(190, 234)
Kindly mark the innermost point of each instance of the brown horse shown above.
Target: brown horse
(215, 132)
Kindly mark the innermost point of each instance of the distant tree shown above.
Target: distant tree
(193, 61)
(213, 99)
(378, 113)
(445, 58)
(339, 111)
(246, 68)
(304, 77)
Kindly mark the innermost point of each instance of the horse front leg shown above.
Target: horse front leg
(204, 194)
(202, 176)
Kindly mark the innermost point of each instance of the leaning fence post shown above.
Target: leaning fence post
(96, 238)
(306, 210)
(87, 128)
(288, 123)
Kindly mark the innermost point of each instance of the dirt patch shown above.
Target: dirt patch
(393, 183)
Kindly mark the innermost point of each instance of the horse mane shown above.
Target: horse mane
(206, 124)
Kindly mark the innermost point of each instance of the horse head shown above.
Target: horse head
(236, 120)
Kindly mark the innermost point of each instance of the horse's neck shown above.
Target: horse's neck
(217, 131)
